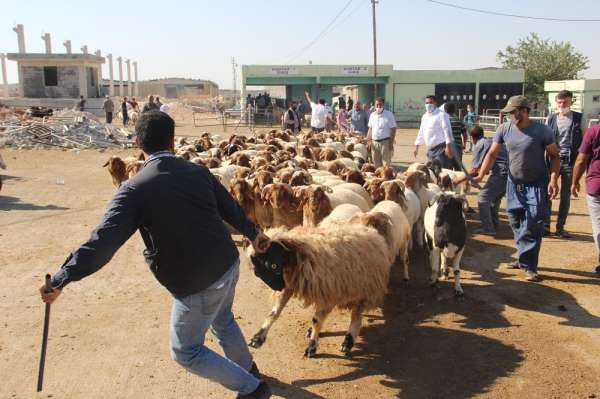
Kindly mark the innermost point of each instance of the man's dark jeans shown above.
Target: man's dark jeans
(566, 177)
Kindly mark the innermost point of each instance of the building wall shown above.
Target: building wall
(178, 88)
(34, 85)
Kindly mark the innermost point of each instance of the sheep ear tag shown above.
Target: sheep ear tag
(269, 266)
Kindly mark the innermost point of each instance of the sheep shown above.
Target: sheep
(345, 266)
(353, 176)
(286, 210)
(242, 192)
(385, 173)
(394, 190)
(341, 214)
(317, 202)
(374, 189)
(224, 174)
(355, 188)
(400, 237)
(118, 168)
(446, 234)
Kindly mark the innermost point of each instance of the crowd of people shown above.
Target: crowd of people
(129, 105)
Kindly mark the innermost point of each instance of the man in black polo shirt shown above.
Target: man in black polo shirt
(179, 208)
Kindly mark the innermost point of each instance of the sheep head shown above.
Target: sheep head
(117, 170)
(315, 204)
(353, 176)
(346, 154)
(300, 178)
(368, 167)
(327, 155)
(394, 191)
(307, 152)
(385, 173)
(416, 180)
(375, 190)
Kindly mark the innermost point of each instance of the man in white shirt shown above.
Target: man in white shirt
(318, 119)
(381, 134)
(436, 134)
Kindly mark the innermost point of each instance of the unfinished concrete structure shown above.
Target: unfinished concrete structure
(178, 87)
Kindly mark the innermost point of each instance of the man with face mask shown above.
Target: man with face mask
(566, 126)
(436, 134)
(381, 134)
(527, 188)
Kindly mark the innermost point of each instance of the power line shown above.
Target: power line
(320, 35)
(502, 14)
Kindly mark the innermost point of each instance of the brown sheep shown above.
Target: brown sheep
(261, 179)
(375, 190)
(327, 155)
(350, 147)
(243, 160)
(286, 211)
(133, 168)
(315, 205)
(313, 143)
(353, 176)
(285, 175)
(258, 162)
(242, 172)
(118, 168)
(394, 191)
(275, 143)
(346, 154)
(307, 153)
(300, 178)
(283, 156)
(336, 168)
(307, 164)
(385, 173)
(368, 168)
(242, 192)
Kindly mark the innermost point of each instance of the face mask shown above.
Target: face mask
(564, 110)
(379, 110)
(429, 107)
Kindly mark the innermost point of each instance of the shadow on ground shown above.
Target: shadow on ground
(15, 204)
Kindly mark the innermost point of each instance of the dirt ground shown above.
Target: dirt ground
(109, 333)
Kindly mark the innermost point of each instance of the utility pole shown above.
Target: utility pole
(234, 66)
(373, 3)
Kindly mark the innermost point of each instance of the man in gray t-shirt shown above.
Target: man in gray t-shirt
(527, 189)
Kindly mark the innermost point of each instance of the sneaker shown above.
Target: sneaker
(547, 232)
(254, 370)
(261, 392)
(597, 270)
(514, 265)
(531, 276)
(562, 233)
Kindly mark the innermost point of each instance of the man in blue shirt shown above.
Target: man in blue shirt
(491, 194)
(359, 120)
(527, 188)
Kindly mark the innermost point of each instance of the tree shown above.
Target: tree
(543, 60)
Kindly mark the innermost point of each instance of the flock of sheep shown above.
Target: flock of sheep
(341, 222)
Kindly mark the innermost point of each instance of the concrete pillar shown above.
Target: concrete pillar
(99, 80)
(120, 63)
(4, 78)
(243, 104)
(83, 81)
(136, 91)
(477, 110)
(67, 44)
(129, 90)
(20, 37)
(111, 82)
(47, 43)
(84, 49)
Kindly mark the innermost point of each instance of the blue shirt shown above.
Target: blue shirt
(526, 150)
(481, 149)
(470, 118)
(359, 120)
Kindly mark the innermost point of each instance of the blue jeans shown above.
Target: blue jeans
(191, 317)
(489, 200)
(527, 206)
(566, 177)
(438, 153)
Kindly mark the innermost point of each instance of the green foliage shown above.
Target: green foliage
(543, 59)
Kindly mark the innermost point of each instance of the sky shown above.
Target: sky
(197, 39)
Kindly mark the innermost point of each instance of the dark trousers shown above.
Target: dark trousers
(438, 153)
(566, 177)
(109, 117)
(489, 200)
(527, 206)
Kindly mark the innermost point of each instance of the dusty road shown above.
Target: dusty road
(109, 332)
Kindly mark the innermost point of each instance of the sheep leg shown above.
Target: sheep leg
(317, 323)
(444, 268)
(405, 263)
(353, 330)
(434, 260)
(261, 336)
(420, 231)
(458, 291)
